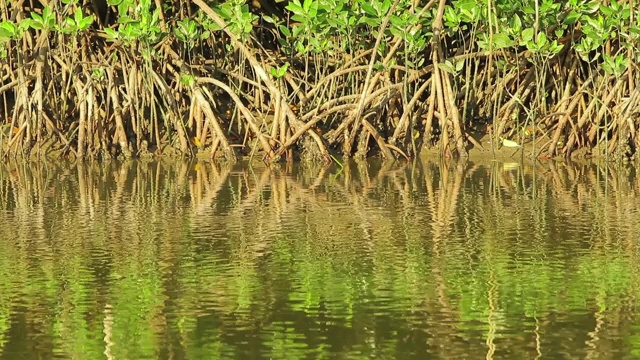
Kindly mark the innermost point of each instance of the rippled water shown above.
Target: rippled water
(422, 260)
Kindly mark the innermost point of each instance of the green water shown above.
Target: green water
(423, 260)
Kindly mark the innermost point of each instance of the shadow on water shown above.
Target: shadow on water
(419, 260)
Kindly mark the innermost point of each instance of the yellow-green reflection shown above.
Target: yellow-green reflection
(159, 260)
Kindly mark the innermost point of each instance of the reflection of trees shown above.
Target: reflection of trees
(137, 259)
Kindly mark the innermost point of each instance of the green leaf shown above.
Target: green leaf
(371, 22)
(294, 8)
(285, 31)
(282, 71)
(571, 18)
(34, 24)
(126, 20)
(395, 31)
(47, 14)
(77, 16)
(70, 24)
(398, 22)
(86, 22)
(179, 34)
(301, 48)
(501, 41)
(516, 23)
(313, 11)
(448, 67)
(297, 30)
(37, 18)
(467, 5)
(542, 39)
(307, 5)
(8, 29)
(4, 35)
(615, 6)
(299, 18)
(607, 11)
(369, 9)
(527, 35)
(314, 42)
(555, 47)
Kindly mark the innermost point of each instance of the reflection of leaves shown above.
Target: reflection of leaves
(284, 342)
(204, 280)
(136, 299)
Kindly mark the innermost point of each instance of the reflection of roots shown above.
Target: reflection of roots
(592, 342)
(435, 213)
(107, 324)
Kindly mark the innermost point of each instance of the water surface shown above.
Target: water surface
(421, 260)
